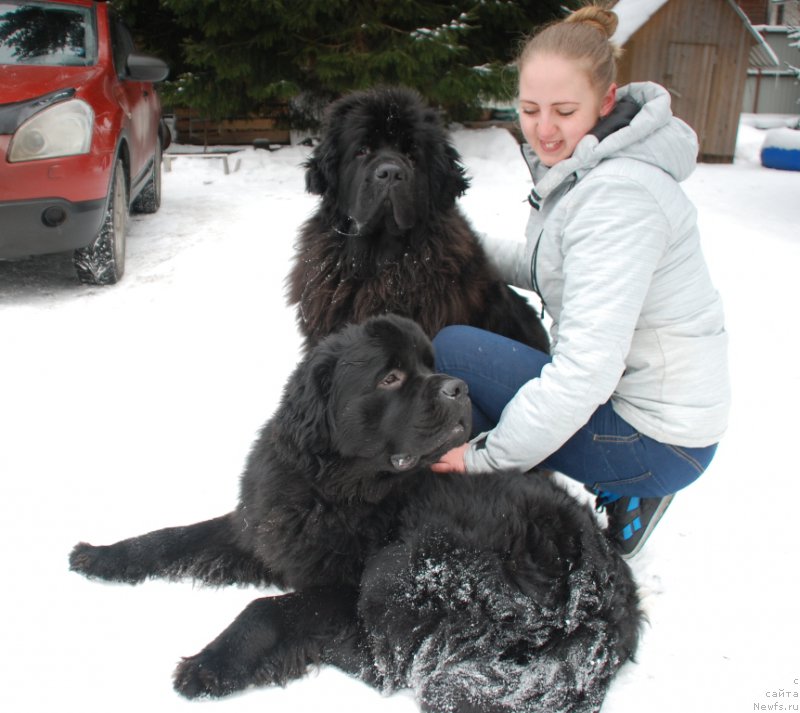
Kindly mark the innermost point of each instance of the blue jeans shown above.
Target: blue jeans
(606, 453)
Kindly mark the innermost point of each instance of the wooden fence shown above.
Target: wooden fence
(191, 128)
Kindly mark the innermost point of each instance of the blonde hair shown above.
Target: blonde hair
(584, 36)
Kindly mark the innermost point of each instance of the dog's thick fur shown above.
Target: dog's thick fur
(482, 593)
(387, 235)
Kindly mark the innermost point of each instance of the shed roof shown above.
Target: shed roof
(633, 14)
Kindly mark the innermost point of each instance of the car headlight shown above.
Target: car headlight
(64, 129)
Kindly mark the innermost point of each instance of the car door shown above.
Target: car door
(137, 100)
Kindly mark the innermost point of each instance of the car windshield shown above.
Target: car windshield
(46, 33)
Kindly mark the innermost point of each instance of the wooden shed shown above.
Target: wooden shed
(700, 51)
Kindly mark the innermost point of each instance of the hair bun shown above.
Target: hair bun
(605, 20)
(584, 35)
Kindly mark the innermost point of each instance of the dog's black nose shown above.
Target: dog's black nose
(389, 172)
(454, 388)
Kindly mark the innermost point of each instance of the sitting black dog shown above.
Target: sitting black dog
(493, 592)
(388, 236)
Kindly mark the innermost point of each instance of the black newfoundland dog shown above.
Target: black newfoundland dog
(485, 593)
(387, 235)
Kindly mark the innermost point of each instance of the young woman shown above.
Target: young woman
(634, 397)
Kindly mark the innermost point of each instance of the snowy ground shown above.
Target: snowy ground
(129, 408)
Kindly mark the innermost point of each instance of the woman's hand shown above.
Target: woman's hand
(452, 461)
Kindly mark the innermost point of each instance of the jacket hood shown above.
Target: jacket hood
(650, 134)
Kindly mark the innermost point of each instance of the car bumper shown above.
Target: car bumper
(48, 225)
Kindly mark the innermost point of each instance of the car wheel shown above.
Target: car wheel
(149, 200)
(103, 262)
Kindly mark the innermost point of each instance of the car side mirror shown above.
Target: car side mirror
(145, 68)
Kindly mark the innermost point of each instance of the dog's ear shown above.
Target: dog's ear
(306, 400)
(453, 181)
(458, 174)
(446, 168)
(321, 169)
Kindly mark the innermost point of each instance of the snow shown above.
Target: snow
(783, 138)
(770, 121)
(130, 408)
(632, 14)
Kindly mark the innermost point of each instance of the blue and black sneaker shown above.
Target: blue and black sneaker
(631, 519)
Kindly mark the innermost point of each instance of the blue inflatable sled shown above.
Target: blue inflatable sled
(781, 149)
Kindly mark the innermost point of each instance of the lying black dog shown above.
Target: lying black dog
(388, 236)
(493, 592)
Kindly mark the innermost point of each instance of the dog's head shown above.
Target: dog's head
(367, 403)
(385, 162)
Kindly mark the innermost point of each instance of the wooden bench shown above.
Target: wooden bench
(168, 158)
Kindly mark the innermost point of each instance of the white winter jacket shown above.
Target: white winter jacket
(614, 252)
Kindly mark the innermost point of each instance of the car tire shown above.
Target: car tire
(103, 262)
(149, 200)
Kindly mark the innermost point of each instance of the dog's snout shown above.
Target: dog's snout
(454, 388)
(390, 172)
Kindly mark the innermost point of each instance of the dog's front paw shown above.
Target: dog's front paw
(105, 562)
(206, 674)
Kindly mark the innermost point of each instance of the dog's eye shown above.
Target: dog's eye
(363, 151)
(393, 380)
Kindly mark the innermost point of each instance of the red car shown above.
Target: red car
(81, 133)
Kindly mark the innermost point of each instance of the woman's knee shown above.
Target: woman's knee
(452, 339)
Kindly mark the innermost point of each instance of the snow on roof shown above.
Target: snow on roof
(633, 14)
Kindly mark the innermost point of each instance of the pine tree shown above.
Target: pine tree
(238, 57)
